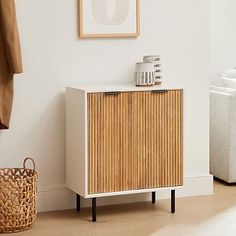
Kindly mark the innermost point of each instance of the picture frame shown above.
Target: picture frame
(97, 20)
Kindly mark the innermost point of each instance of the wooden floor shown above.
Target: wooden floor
(196, 216)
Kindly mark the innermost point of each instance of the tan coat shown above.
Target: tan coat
(10, 59)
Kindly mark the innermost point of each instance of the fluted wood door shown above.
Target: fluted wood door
(134, 141)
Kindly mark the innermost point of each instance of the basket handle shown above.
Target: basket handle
(29, 159)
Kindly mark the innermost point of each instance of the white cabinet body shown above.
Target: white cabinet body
(123, 139)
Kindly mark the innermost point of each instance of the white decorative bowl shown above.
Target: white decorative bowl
(155, 59)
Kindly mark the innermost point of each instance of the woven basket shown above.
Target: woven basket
(18, 192)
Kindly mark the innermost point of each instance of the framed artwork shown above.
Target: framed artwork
(109, 18)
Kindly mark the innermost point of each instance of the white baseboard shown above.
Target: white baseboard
(62, 198)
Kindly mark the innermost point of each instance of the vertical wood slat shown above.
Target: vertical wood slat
(134, 141)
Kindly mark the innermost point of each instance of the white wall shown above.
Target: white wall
(54, 56)
(223, 36)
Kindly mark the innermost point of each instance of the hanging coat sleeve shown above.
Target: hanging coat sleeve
(10, 35)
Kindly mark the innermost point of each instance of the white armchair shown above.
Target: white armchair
(223, 133)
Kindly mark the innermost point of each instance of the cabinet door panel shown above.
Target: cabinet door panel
(134, 141)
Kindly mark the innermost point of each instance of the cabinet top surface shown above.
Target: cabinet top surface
(121, 88)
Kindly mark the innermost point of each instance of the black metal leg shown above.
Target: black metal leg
(77, 202)
(172, 201)
(94, 215)
(153, 197)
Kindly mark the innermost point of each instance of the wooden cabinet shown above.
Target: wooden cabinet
(123, 140)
